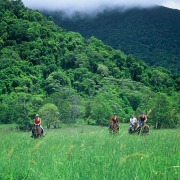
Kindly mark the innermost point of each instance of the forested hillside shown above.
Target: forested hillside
(152, 34)
(62, 76)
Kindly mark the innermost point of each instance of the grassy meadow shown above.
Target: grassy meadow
(90, 153)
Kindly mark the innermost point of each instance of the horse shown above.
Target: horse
(37, 131)
(114, 128)
(134, 129)
(145, 128)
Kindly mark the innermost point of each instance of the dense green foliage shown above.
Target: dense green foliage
(45, 69)
(90, 152)
(152, 34)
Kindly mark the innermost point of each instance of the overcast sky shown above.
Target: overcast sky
(89, 6)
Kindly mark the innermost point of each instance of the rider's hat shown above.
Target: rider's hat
(37, 115)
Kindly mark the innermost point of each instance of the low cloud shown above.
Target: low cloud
(91, 6)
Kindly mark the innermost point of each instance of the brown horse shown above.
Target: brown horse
(145, 128)
(114, 128)
(37, 131)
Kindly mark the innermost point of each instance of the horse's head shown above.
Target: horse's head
(135, 125)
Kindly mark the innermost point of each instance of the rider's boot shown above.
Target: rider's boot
(42, 131)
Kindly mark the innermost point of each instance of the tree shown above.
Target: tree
(68, 103)
(101, 112)
(16, 108)
(163, 113)
(103, 70)
(56, 80)
(49, 113)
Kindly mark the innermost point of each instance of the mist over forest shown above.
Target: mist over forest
(151, 34)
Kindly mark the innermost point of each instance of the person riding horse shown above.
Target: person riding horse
(114, 122)
(143, 124)
(133, 124)
(142, 119)
(37, 122)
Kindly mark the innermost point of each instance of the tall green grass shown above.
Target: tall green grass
(90, 153)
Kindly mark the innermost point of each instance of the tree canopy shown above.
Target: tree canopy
(149, 33)
(46, 69)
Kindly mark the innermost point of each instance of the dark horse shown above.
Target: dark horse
(114, 128)
(37, 131)
(134, 129)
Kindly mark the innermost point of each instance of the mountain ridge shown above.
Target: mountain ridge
(151, 33)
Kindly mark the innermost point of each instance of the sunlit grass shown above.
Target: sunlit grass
(90, 152)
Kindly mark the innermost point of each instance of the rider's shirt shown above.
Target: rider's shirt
(114, 119)
(133, 120)
(142, 118)
(37, 121)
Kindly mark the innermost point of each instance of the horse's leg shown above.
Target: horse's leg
(146, 129)
(110, 128)
(139, 130)
(129, 130)
(143, 129)
(39, 131)
(35, 133)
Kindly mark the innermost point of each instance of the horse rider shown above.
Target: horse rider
(142, 119)
(37, 121)
(114, 120)
(133, 121)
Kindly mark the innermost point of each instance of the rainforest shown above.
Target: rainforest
(67, 78)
